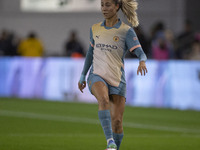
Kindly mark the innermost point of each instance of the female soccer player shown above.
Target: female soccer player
(109, 42)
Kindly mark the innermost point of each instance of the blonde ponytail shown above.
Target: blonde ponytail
(129, 8)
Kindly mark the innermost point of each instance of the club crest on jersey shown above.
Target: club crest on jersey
(116, 38)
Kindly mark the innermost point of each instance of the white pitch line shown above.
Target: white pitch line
(95, 135)
(48, 117)
(52, 135)
(93, 121)
(160, 128)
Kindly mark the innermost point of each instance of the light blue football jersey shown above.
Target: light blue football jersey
(110, 44)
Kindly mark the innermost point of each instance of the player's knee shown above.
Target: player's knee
(103, 101)
(117, 125)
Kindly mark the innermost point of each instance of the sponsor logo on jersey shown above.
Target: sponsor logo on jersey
(100, 45)
(106, 47)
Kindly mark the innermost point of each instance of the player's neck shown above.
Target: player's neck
(111, 21)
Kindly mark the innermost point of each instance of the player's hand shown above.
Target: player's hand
(142, 68)
(81, 86)
(82, 83)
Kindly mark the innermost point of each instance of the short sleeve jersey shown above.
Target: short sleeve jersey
(110, 45)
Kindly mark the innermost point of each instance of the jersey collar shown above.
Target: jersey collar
(117, 25)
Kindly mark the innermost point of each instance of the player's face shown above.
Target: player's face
(108, 8)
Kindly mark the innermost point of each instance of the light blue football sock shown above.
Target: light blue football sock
(118, 139)
(105, 119)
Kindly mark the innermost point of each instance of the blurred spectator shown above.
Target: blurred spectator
(3, 42)
(170, 40)
(185, 40)
(31, 46)
(195, 49)
(8, 43)
(160, 49)
(73, 47)
(157, 27)
(161, 42)
(13, 42)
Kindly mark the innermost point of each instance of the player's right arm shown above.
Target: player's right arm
(87, 64)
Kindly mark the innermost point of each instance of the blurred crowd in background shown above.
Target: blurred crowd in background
(162, 44)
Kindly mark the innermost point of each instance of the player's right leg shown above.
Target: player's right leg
(99, 89)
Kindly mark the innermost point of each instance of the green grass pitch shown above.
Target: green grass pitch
(47, 125)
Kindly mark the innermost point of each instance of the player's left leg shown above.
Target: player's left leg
(117, 105)
(100, 91)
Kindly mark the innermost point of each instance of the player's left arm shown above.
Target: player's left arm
(135, 47)
(142, 57)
